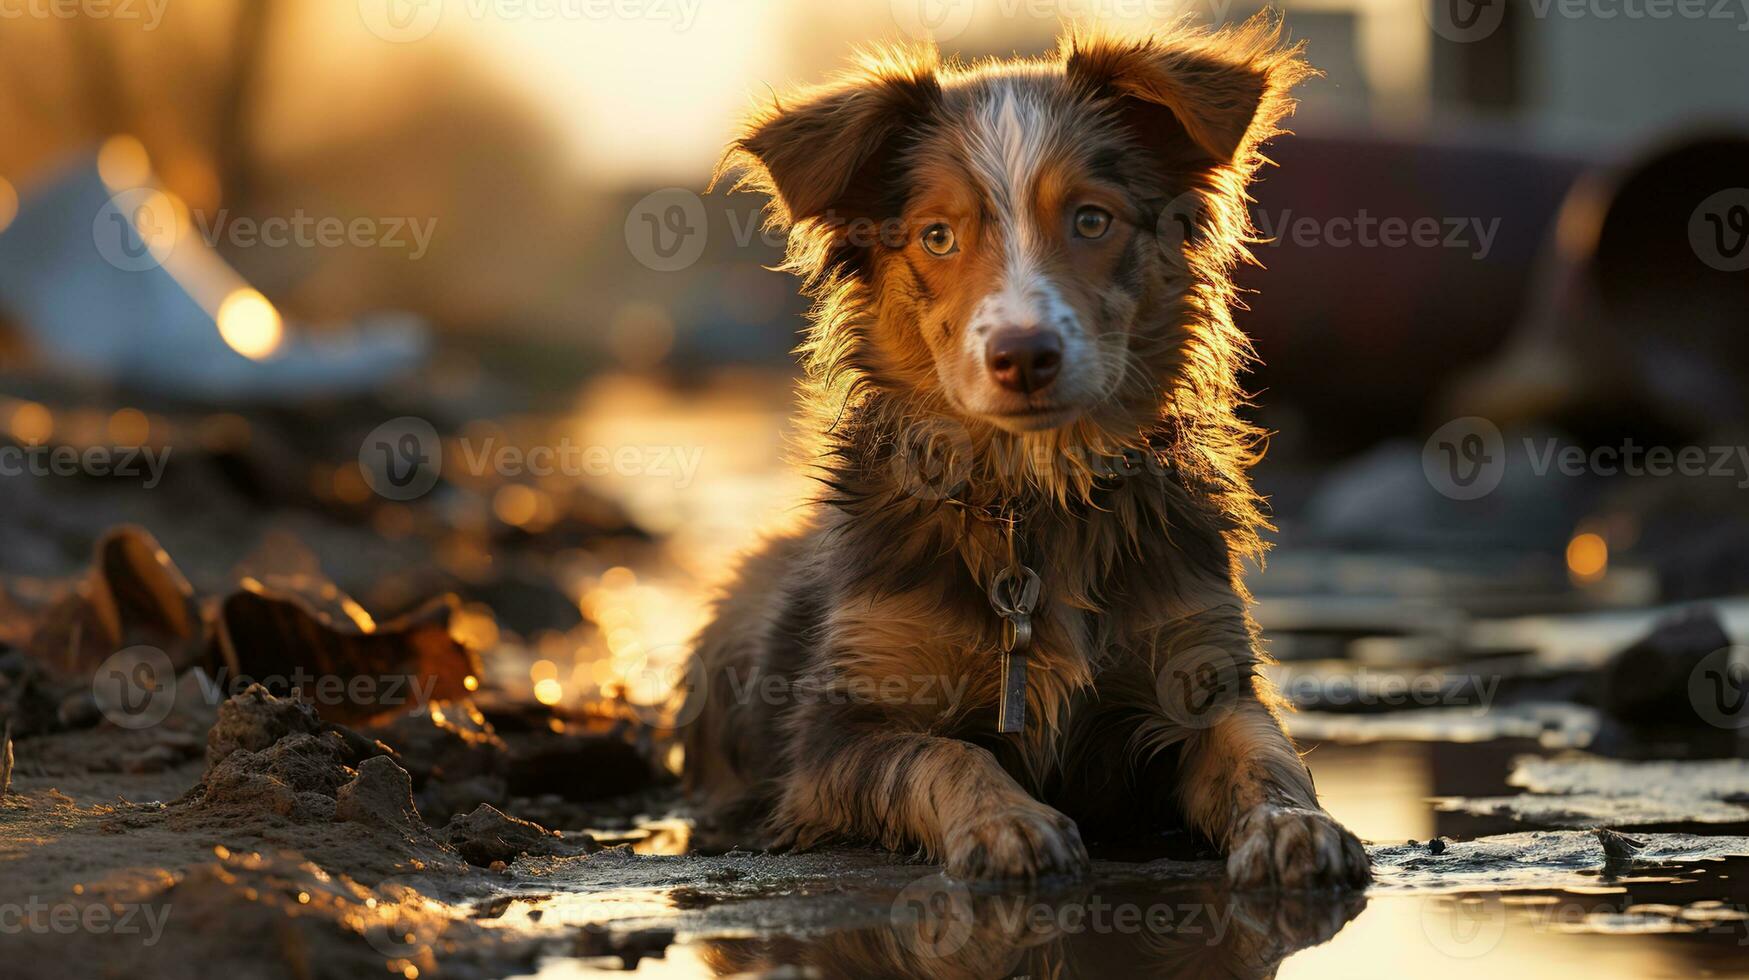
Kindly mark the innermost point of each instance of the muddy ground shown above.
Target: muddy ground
(514, 815)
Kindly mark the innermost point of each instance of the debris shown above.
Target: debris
(132, 595)
(1649, 681)
(381, 795)
(1618, 846)
(455, 758)
(360, 671)
(1534, 861)
(6, 761)
(488, 838)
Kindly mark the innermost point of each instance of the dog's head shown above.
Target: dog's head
(1033, 246)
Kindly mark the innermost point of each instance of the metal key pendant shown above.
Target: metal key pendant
(1014, 596)
(1011, 709)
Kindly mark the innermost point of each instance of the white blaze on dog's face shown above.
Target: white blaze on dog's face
(986, 236)
(1013, 248)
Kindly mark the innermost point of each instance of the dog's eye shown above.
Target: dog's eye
(1092, 222)
(938, 240)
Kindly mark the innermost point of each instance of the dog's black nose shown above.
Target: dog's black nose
(1024, 360)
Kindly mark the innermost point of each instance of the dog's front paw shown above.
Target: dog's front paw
(1017, 842)
(1295, 847)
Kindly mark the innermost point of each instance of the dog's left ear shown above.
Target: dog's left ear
(1195, 98)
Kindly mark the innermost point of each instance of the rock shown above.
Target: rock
(381, 796)
(487, 837)
(156, 758)
(1650, 680)
(299, 776)
(78, 710)
(253, 720)
(1618, 846)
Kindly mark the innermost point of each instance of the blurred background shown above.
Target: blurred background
(416, 296)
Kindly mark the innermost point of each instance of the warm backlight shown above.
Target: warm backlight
(250, 324)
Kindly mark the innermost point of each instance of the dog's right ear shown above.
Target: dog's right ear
(825, 154)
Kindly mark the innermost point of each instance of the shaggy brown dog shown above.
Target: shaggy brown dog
(1021, 370)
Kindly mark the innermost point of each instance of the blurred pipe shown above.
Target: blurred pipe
(1641, 325)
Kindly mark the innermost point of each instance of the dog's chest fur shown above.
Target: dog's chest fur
(908, 630)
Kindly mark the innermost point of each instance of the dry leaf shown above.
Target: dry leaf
(133, 594)
(350, 668)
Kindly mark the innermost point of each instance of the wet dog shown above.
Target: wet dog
(1015, 611)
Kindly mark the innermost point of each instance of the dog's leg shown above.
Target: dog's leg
(1245, 787)
(1240, 781)
(908, 789)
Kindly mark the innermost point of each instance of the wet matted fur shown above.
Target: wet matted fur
(847, 688)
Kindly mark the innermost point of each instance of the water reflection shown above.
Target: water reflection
(939, 928)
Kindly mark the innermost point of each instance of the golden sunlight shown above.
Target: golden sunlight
(250, 324)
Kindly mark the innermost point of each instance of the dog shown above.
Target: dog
(1015, 609)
